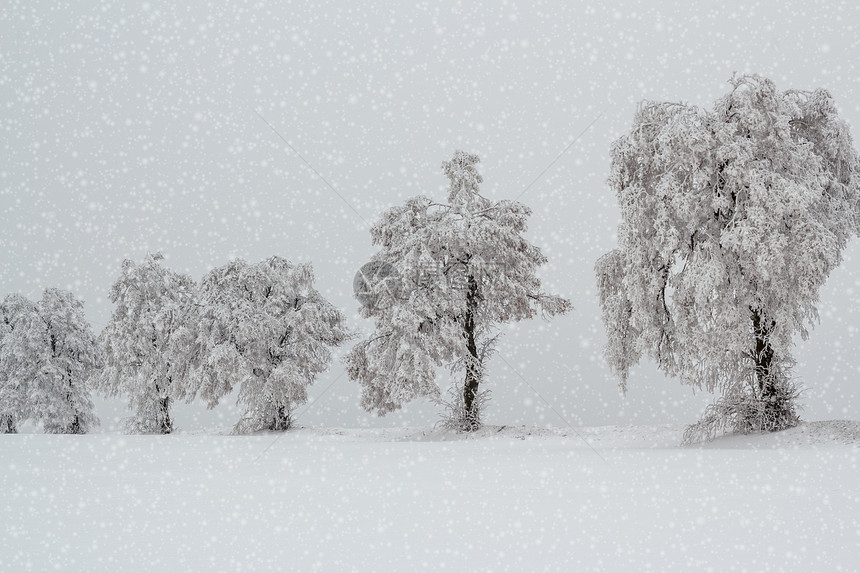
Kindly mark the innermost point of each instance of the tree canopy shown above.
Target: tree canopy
(463, 268)
(732, 219)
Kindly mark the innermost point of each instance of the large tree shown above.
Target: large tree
(265, 329)
(142, 358)
(732, 219)
(451, 274)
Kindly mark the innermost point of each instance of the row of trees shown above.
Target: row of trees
(732, 219)
(261, 328)
(449, 275)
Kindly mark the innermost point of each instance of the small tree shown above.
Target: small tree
(264, 328)
(16, 312)
(142, 361)
(732, 219)
(446, 276)
(47, 355)
(61, 345)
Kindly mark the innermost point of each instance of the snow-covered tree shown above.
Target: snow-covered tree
(463, 268)
(47, 355)
(265, 329)
(16, 313)
(142, 361)
(732, 219)
(64, 349)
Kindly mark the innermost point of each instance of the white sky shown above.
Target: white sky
(129, 127)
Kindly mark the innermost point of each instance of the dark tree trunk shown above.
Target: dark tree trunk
(470, 388)
(166, 422)
(281, 421)
(763, 357)
(778, 411)
(7, 425)
(75, 427)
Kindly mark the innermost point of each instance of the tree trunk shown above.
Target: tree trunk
(470, 388)
(763, 357)
(281, 421)
(7, 425)
(777, 410)
(164, 411)
(75, 426)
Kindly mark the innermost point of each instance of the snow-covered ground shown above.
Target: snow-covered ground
(505, 499)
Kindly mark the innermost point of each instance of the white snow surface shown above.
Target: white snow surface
(502, 499)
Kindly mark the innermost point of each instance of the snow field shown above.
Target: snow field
(506, 499)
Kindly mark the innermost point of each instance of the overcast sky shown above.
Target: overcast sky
(130, 127)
